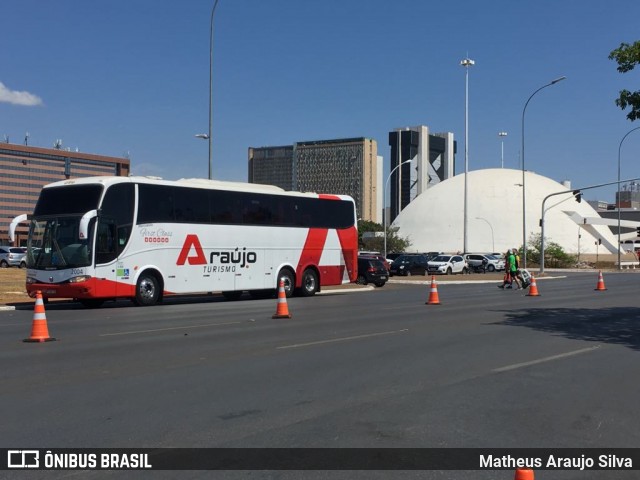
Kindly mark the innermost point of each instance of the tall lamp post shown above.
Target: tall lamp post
(466, 63)
(502, 135)
(384, 203)
(524, 202)
(213, 10)
(618, 194)
(493, 243)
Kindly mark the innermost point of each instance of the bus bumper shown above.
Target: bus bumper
(63, 290)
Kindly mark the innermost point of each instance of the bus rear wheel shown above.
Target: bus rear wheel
(309, 283)
(147, 290)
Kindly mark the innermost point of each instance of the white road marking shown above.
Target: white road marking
(183, 327)
(545, 359)
(342, 339)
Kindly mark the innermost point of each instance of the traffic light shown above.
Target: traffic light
(578, 195)
(638, 231)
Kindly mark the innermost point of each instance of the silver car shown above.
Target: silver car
(13, 257)
(448, 264)
(491, 263)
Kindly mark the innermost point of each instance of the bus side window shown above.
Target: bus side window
(106, 242)
(124, 231)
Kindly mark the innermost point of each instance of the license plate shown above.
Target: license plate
(50, 292)
(383, 277)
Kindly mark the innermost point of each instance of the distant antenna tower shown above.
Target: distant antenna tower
(26, 138)
(6, 138)
(57, 144)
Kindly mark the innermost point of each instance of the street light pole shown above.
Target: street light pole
(466, 63)
(524, 201)
(618, 194)
(493, 244)
(384, 203)
(502, 135)
(211, 88)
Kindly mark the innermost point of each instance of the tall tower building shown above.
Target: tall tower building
(432, 160)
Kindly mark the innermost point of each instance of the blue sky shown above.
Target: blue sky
(132, 76)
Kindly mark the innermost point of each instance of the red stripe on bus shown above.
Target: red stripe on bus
(349, 238)
(311, 252)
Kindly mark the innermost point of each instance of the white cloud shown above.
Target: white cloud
(18, 98)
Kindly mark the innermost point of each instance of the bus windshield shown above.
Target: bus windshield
(54, 244)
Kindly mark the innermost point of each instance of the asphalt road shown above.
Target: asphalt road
(485, 368)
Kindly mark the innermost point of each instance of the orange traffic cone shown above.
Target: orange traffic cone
(433, 294)
(600, 285)
(282, 311)
(524, 474)
(39, 330)
(533, 288)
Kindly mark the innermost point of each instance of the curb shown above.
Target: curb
(340, 291)
(462, 282)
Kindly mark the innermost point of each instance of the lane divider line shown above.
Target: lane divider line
(545, 359)
(168, 329)
(342, 339)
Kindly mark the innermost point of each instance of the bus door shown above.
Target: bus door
(114, 229)
(106, 253)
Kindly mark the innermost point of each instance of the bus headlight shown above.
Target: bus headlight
(31, 280)
(80, 278)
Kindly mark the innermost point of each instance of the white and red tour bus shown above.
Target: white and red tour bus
(99, 238)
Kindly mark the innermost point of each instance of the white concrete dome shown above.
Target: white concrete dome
(434, 221)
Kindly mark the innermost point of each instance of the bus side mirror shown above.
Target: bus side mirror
(14, 224)
(83, 233)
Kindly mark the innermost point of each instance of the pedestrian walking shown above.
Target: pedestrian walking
(507, 280)
(516, 269)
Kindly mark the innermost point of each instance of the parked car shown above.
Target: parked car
(392, 256)
(409, 264)
(448, 264)
(371, 270)
(475, 261)
(377, 256)
(13, 257)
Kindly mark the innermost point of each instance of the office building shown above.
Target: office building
(272, 166)
(629, 196)
(24, 170)
(349, 166)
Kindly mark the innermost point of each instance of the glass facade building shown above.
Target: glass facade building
(347, 166)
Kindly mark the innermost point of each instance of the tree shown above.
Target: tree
(628, 56)
(395, 243)
(554, 254)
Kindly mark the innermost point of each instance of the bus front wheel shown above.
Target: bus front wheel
(147, 290)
